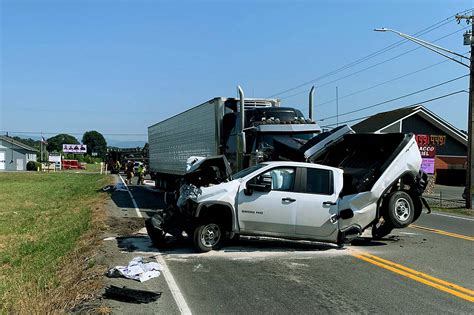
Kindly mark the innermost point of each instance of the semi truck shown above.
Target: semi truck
(246, 131)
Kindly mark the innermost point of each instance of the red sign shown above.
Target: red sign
(427, 151)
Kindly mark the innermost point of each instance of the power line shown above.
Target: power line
(397, 98)
(374, 65)
(385, 82)
(414, 104)
(372, 55)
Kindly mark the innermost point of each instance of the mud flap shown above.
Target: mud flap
(348, 235)
(154, 230)
(130, 295)
(425, 203)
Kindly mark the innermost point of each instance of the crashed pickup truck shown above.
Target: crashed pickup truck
(344, 184)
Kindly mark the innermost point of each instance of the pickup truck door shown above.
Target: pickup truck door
(317, 197)
(272, 212)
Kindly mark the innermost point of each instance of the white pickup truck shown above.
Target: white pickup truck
(348, 183)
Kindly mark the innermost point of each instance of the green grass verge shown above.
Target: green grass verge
(42, 216)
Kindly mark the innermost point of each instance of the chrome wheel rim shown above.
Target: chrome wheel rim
(402, 209)
(210, 235)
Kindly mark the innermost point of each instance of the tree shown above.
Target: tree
(30, 142)
(55, 144)
(95, 142)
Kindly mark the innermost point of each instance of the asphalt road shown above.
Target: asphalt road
(426, 268)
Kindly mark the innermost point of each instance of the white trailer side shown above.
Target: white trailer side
(195, 132)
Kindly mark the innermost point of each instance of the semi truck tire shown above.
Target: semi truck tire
(208, 235)
(401, 209)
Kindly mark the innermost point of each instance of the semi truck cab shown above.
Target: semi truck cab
(266, 128)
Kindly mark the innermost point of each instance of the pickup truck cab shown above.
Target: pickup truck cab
(352, 182)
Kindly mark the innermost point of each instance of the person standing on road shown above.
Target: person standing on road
(141, 173)
(129, 171)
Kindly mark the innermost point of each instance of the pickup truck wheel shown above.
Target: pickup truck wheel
(401, 210)
(208, 236)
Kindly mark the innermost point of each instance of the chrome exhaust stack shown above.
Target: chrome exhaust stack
(311, 97)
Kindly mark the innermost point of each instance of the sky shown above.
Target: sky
(120, 66)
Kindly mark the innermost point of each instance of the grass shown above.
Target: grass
(42, 219)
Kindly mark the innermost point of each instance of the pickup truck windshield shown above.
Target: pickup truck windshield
(247, 171)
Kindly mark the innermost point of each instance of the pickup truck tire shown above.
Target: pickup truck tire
(401, 209)
(208, 235)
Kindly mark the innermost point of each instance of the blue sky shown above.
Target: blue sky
(120, 66)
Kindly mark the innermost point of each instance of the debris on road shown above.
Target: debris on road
(112, 188)
(130, 295)
(137, 269)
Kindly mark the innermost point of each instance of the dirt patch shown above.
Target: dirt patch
(124, 226)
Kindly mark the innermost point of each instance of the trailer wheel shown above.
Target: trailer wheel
(208, 235)
(401, 210)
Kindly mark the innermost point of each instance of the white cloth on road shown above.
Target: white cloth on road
(138, 269)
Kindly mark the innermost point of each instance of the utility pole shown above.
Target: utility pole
(337, 107)
(468, 40)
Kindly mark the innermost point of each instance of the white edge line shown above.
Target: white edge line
(177, 295)
(137, 210)
(452, 216)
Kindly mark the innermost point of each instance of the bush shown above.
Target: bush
(32, 166)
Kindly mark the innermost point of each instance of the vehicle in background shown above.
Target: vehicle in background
(71, 164)
(246, 130)
(346, 183)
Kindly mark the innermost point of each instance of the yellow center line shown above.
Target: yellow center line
(464, 237)
(418, 276)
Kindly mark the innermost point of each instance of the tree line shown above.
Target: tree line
(94, 140)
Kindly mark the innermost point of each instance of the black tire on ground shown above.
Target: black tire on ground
(208, 235)
(382, 230)
(157, 237)
(401, 209)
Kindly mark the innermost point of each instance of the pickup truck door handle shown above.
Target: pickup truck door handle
(288, 199)
(329, 203)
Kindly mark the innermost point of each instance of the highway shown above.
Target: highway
(426, 268)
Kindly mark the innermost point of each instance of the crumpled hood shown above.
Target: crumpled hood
(225, 192)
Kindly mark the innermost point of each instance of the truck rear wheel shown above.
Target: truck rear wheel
(208, 235)
(401, 210)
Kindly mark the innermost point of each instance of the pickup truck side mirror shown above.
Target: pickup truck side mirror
(251, 187)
